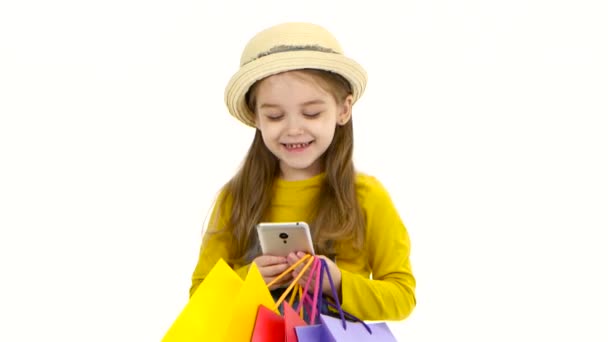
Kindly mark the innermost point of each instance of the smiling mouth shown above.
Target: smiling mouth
(298, 145)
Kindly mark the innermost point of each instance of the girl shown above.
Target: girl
(296, 87)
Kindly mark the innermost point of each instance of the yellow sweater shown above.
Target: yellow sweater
(378, 284)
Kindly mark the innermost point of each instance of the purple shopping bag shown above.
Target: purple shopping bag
(356, 331)
(332, 329)
(313, 333)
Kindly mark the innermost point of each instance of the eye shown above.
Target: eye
(312, 115)
(274, 117)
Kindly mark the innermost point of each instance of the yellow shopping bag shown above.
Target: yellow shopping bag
(223, 308)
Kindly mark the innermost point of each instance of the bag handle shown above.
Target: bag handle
(314, 274)
(318, 297)
(310, 259)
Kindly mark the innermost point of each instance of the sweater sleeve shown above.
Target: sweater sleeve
(390, 293)
(214, 246)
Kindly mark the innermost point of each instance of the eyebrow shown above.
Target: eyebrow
(303, 104)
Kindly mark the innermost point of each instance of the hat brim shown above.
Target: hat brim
(248, 74)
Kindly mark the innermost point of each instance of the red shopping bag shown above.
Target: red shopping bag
(271, 327)
(292, 320)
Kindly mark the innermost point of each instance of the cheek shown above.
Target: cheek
(327, 129)
(331, 133)
(269, 131)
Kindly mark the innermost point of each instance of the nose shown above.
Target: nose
(294, 125)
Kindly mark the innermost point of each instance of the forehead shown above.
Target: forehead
(291, 85)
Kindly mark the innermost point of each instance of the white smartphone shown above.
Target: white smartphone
(282, 238)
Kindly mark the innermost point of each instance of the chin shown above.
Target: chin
(299, 167)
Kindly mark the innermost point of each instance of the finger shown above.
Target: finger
(267, 260)
(295, 274)
(274, 286)
(301, 273)
(298, 270)
(292, 258)
(286, 279)
(273, 270)
(311, 285)
(304, 268)
(301, 254)
(301, 268)
(302, 282)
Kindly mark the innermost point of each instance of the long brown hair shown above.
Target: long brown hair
(338, 218)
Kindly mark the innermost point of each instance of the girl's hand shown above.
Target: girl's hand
(270, 267)
(336, 275)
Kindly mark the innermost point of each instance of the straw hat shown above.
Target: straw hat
(284, 47)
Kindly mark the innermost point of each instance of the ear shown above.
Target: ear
(345, 111)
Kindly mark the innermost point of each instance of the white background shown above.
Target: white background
(486, 121)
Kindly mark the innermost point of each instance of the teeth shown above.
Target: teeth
(296, 145)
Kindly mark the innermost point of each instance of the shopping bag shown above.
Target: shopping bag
(253, 293)
(223, 308)
(269, 326)
(331, 329)
(292, 320)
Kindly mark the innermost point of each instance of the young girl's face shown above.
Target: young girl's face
(297, 119)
